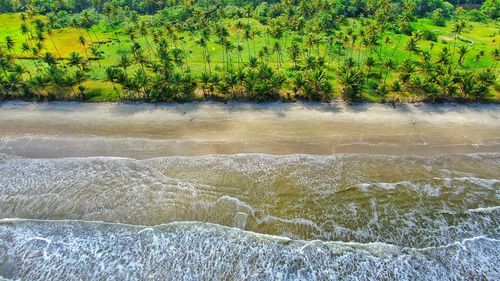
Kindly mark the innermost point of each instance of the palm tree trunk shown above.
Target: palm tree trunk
(55, 47)
(248, 48)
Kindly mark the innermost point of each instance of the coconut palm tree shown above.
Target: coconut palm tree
(294, 53)
(51, 23)
(37, 83)
(277, 50)
(124, 61)
(462, 51)
(203, 44)
(95, 50)
(76, 60)
(228, 48)
(446, 85)
(247, 35)
(370, 62)
(388, 65)
(456, 30)
(351, 81)
(112, 75)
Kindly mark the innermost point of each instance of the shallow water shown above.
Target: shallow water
(239, 191)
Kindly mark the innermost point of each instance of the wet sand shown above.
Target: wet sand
(145, 131)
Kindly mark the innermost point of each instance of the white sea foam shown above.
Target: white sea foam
(189, 250)
(485, 210)
(307, 196)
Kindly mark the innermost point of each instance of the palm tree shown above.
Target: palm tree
(112, 75)
(55, 76)
(277, 51)
(407, 68)
(247, 36)
(231, 80)
(228, 48)
(51, 23)
(37, 83)
(138, 55)
(83, 42)
(78, 79)
(239, 48)
(351, 80)
(456, 30)
(370, 62)
(9, 44)
(496, 56)
(49, 59)
(294, 53)
(202, 43)
(124, 61)
(298, 83)
(205, 84)
(144, 32)
(388, 65)
(254, 34)
(446, 85)
(96, 52)
(75, 59)
(5, 64)
(478, 57)
(178, 56)
(412, 46)
(462, 50)
(320, 85)
(140, 82)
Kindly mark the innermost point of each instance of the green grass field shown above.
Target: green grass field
(478, 37)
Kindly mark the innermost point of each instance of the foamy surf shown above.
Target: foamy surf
(341, 197)
(41, 250)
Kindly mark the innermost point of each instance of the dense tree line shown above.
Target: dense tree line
(154, 66)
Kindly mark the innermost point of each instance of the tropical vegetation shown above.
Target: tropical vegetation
(184, 50)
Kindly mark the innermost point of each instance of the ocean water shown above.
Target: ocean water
(249, 192)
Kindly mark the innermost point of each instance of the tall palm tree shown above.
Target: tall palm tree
(124, 61)
(203, 44)
(95, 50)
(388, 65)
(294, 53)
(228, 48)
(10, 44)
(456, 30)
(138, 54)
(462, 51)
(277, 50)
(370, 62)
(83, 42)
(51, 23)
(76, 60)
(239, 49)
(247, 35)
(412, 46)
(112, 75)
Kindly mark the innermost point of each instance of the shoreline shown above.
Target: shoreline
(143, 130)
(269, 103)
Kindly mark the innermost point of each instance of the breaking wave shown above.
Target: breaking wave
(426, 201)
(41, 250)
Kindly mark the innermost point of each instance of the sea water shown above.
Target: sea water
(248, 191)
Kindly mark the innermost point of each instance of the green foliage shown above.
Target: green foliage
(177, 51)
(491, 8)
